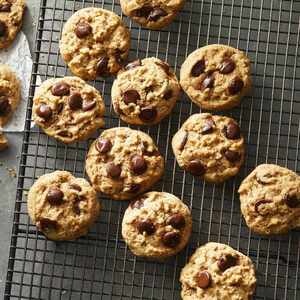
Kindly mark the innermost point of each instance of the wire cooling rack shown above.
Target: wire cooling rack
(99, 266)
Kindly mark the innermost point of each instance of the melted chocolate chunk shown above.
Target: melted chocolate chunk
(5, 7)
(75, 101)
(232, 156)
(232, 131)
(138, 164)
(45, 224)
(76, 187)
(60, 89)
(171, 239)
(235, 86)
(156, 13)
(143, 12)
(203, 280)
(227, 261)
(55, 196)
(138, 203)
(44, 111)
(196, 168)
(208, 81)
(260, 204)
(5, 107)
(83, 29)
(103, 145)
(146, 226)
(3, 29)
(198, 68)
(208, 126)
(133, 64)
(148, 114)
(177, 221)
(292, 201)
(131, 96)
(227, 66)
(134, 188)
(102, 66)
(113, 170)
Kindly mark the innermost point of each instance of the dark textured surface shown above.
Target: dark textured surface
(100, 266)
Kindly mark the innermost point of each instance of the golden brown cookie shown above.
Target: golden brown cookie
(157, 225)
(61, 206)
(94, 42)
(124, 163)
(216, 77)
(3, 141)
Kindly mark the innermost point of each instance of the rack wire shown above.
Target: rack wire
(100, 266)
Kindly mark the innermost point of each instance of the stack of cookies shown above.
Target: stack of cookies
(124, 164)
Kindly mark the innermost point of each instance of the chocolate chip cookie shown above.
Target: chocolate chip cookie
(270, 199)
(153, 14)
(94, 42)
(68, 109)
(145, 92)
(123, 163)
(11, 14)
(10, 93)
(157, 225)
(210, 147)
(216, 77)
(218, 272)
(61, 206)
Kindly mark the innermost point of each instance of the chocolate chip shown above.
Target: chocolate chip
(55, 196)
(83, 29)
(88, 105)
(59, 107)
(138, 164)
(232, 131)
(168, 94)
(134, 188)
(103, 145)
(76, 207)
(145, 226)
(171, 239)
(102, 66)
(133, 64)
(196, 168)
(46, 224)
(113, 170)
(138, 203)
(292, 201)
(75, 101)
(118, 56)
(5, 107)
(203, 280)
(208, 126)
(227, 66)
(183, 141)
(148, 114)
(177, 221)
(44, 111)
(5, 7)
(226, 261)
(208, 81)
(131, 96)
(198, 68)
(235, 86)
(261, 203)
(60, 89)
(156, 13)
(3, 29)
(76, 187)
(143, 12)
(232, 156)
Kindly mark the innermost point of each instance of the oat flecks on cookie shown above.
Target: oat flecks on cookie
(68, 109)
(216, 77)
(94, 42)
(156, 225)
(154, 14)
(270, 199)
(123, 163)
(145, 92)
(61, 206)
(10, 93)
(216, 271)
(209, 146)
(11, 14)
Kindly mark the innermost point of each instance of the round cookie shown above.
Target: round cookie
(123, 163)
(10, 93)
(11, 14)
(145, 92)
(157, 225)
(216, 271)
(68, 109)
(216, 77)
(61, 206)
(153, 14)
(94, 42)
(209, 146)
(270, 199)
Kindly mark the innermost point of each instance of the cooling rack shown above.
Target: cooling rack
(99, 266)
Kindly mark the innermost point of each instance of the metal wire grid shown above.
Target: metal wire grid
(99, 266)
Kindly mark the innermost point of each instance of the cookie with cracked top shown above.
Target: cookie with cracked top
(145, 92)
(216, 271)
(123, 163)
(94, 43)
(156, 225)
(68, 109)
(62, 206)
(154, 14)
(210, 147)
(270, 199)
(216, 77)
